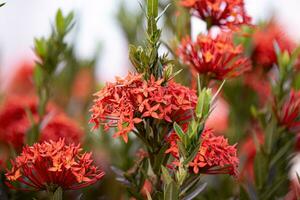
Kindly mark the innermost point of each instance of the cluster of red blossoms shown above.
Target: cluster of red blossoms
(263, 44)
(54, 164)
(15, 122)
(222, 13)
(289, 116)
(217, 57)
(127, 101)
(215, 155)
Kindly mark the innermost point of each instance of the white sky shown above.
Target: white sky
(21, 21)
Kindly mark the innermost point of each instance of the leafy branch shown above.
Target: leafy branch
(50, 52)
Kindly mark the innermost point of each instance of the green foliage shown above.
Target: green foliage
(146, 59)
(51, 53)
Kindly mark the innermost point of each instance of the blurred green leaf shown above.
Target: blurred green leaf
(171, 191)
(196, 191)
(58, 194)
(179, 131)
(60, 22)
(282, 152)
(166, 176)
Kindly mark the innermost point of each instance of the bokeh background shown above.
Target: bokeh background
(97, 27)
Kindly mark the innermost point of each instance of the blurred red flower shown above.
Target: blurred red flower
(259, 82)
(215, 155)
(294, 193)
(15, 122)
(263, 44)
(218, 118)
(54, 164)
(222, 13)
(289, 114)
(128, 101)
(21, 82)
(217, 57)
(83, 84)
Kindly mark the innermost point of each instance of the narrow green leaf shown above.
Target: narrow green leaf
(192, 155)
(58, 194)
(179, 131)
(196, 191)
(281, 153)
(2, 4)
(171, 192)
(166, 176)
(260, 169)
(218, 92)
(60, 22)
(163, 12)
(40, 47)
(152, 8)
(182, 150)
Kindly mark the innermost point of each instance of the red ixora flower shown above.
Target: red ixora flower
(215, 155)
(289, 115)
(222, 13)
(263, 44)
(128, 101)
(216, 57)
(15, 122)
(53, 164)
(21, 82)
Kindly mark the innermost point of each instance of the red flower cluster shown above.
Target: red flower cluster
(21, 82)
(216, 57)
(127, 101)
(263, 44)
(15, 123)
(259, 82)
(215, 155)
(289, 115)
(54, 164)
(223, 13)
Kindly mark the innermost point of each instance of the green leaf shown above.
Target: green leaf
(196, 191)
(260, 169)
(179, 131)
(192, 155)
(203, 103)
(58, 194)
(182, 150)
(281, 153)
(60, 22)
(166, 176)
(152, 8)
(2, 4)
(171, 191)
(40, 47)
(163, 12)
(275, 186)
(218, 92)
